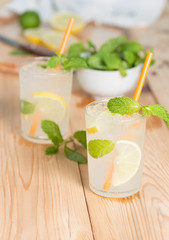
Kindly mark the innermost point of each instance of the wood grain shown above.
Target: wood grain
(146, 214)
(40, 197)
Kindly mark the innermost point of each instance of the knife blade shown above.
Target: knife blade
(40, 51)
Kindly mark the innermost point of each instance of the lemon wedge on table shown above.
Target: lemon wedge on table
(60, 21)
(126, 162)
(47, 37)
(52, 40)
(34, 35)
(51, 106)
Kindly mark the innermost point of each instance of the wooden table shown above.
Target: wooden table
(48, 198)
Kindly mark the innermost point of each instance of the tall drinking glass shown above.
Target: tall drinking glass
(115, 150)
(45, 95)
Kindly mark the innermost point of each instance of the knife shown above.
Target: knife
(28, 47)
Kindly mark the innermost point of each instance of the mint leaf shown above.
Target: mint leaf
(51, 150)
(81, 137)
(52, 62)
(91, 45)
(112, 61)
(55, 141)
(42, 66)
(51, 129)
(132, 46)
(157, 110)
(75, 63)
(20, 52)
(123, 105)
(96, 62)
(123, 72)
(27, 107)
(129, 57)
(74, 155)
(76, 49)
(112, 44)
(98, 148)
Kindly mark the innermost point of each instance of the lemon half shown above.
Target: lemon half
(60, 21)
(52, 106)
(126, 162)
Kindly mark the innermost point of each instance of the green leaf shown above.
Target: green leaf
(51, 150)
(112, 61)
(157, 110)
(55, 141)
(27, 107)
(129, 57)
(76, 49)
(74, 155)
(91, 45)
(42, 66)
(81, 137)
(138, 60)
(98, 148)
(20, 52)
(123, 105)
(51, 129)
(75, 63)
(52, 62)
(132, 46)
(96, 62)
(112, 44)
(123, 72)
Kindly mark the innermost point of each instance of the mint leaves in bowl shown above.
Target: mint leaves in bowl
(111, 70)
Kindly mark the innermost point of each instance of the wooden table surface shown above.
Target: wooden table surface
(48, 198)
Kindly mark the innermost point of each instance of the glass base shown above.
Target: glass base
(114, 194)
(37, 140)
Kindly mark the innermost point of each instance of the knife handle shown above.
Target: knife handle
(40, 51)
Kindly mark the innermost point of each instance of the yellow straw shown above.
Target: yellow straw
(143, 76)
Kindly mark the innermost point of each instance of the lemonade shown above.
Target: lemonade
(115, 166)
(45, 95)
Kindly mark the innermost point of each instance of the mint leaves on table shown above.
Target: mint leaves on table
(53, 132)
(117, 54)
(27, 107)
(97, 148)
(125, 105)
(157, 110)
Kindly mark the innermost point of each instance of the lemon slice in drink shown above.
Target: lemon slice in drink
(60, 21)
(52, 40)
(126, 163)
(51, 106)
(92, 130)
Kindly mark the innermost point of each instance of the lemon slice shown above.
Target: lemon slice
(60, 21)
(51, 106)
(52, 40)
(126, 163)
(92, 130)
(33, 35)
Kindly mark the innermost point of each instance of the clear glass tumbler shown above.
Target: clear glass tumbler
(115, 150)
(45, 95)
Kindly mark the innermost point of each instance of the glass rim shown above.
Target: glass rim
(34, 59)
(140, 116)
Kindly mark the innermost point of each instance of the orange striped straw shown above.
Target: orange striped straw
(137, 93)
(143, 76)
(62, 48)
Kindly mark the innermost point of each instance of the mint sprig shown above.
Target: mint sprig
(125, 105)
(97, 148)
(27, 107)
(53, 132)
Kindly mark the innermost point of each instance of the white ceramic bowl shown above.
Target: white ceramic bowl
(100, 84)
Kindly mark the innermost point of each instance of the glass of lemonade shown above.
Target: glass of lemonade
(115, 150)
(45, 95)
